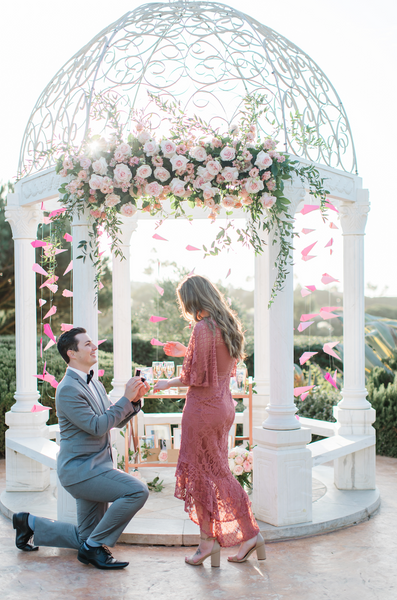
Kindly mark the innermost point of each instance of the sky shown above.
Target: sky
(354, 43)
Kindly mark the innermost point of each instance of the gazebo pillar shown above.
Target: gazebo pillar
(22, 473)
(261, 337)
(354, 413)
(85, 306)
(122, 352)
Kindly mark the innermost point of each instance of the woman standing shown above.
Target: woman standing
(213, 497)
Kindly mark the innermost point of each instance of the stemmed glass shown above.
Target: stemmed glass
(157, 369)
(169, 368)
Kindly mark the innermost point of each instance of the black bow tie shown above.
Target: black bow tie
(90, 376)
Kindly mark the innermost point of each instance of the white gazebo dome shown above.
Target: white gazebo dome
(204, 54)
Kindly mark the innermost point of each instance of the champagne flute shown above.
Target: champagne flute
(157, 369)
(169, 371)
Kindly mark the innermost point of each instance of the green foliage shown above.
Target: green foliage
(321, 400)
(382, 394)
(155, 485)
(7, 282)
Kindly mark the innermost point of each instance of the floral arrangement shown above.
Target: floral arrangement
(194, 165)
(241, 463)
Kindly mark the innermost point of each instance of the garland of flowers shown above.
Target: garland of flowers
(194, 166)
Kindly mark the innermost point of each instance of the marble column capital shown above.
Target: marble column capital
(353, 215)
(23, 220)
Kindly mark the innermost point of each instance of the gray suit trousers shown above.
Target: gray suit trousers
(94, 519)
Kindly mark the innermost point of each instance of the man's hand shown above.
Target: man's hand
(174, 349)
(135, 389)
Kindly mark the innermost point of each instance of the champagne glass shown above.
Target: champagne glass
(169, 371)
(157, 369)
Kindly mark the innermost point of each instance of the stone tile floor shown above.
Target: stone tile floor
(357, 563)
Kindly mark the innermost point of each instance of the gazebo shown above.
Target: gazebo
(208, 56)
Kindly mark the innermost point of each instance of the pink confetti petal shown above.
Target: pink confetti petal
(37, 269)
(101, 341)
(53, 287)
(306, 356)
(42, 206)
(38, 244)
(312, 288)
(69, 267)
(100, 253)
(308, 317)
(159, 289)
(331, 206)
(58, 251)
(56, 212)
(41, 301)
(67, 294)
(305, 293)
(333, 226)
(304, 396)
(41, 347)
(328, 279)
(66, 326)
(155, 342)
(192, 272)
(191, 248)
(101, 286)
(303, 326)
(331, 380)
(68, 237)
(324, 314)
(101, 372)
(308, 208)
(306, 231)
(301, 390)
(51, 312)
(306, 250)
(156, 236)
(39, 408)
(49, 345)
(329, 244)
(228, 273)
(46, 220)
(327, 348)
(48, 332)
(306, 258)
(154, 319)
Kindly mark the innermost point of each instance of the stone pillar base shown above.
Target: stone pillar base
(259, 404)
(282, 476)
(22, 473)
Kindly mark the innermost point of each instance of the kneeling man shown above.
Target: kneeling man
(85, 466)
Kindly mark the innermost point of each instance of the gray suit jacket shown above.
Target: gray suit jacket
(84, 426)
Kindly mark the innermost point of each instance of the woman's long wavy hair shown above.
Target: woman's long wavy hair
(195, 294)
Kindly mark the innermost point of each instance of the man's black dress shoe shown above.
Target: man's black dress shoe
(24, 533)
(100, 557)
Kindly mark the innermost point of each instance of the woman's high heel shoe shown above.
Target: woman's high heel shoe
(260, 551)
(215, 554)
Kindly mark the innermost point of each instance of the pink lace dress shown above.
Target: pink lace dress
(213, 498)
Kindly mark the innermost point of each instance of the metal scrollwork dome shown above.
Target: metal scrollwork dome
(206, 55)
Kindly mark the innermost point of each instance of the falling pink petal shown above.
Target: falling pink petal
(42, 206)
(101, 286)
(331, 380)
(159, 289)
(58, 251)
(301, 390)
(229, 301)
(37, 269)
(41, 347)
(305, 293)
(52, 279)
(100, 253)
(324, 314)
(306, 258)
(101, 341)
(56, 212)
(308, 317)
(330, 252)
(312, 288)
(306, 231)
(308, 208)
(39, 408)
(51, 312)
(156, 236)
(306, 356)
(306, 250)
(41, 301)
(328, 279)
(52, 287)
(99, 312)
(101, 372)
(67, 294)
(68, 237)
(304, 396)
(49, 345)
(191, 248)
(66, 326)
(46, 220)
(327, 348)
(303, 326)
(329, 244)
(333, 226)
(192, 272)
(69, 267)
(38, 244)
(331, 308)
(48, 332)
(155, 342)
(228, 273)
(154, 319)
(331, 206)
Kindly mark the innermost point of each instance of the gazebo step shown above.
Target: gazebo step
(40, 449)
(338, 446)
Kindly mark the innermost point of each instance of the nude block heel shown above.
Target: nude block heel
(216, 559)
(261, 552)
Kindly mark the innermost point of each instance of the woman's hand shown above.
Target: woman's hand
(174, 349)
(162, 384)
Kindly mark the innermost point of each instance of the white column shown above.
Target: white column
(261, 338)
(122, 353)
(85, 305)
(23, 473)
(282, 463)
(354, 413)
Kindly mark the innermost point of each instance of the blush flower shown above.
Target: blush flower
(162, 174)
(178, 162)
(85, 162)
(122, 174)
(177, 187)
(238, 470)
(228, 153)
(124, 149)
(112, 200)
(100, 166)
(128, 210)
(144, 171)
(228, 202)
(95, 182)
(263, 160)
(153, 189)
(268, 200)
(230, 173)
(144, 136)
(253, 186)
(214, 167)
(198, 153)
(151, 148)
(168, 148)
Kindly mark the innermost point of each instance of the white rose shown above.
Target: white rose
(198, 153)
(85, 162)
(206, 175)
(95, 182)
(151, 148)
(238, 470)
(228, 153)
(263, 160)
(144, 136)
(100, 166)
(253, 186)
(144, 171)
(128, 210)
(122, 174)
(178, 162)
(112, 200)
(124, 149)
(230, 173)
(213, 167)
(268, 200)
(153, 189)
(177, 187)
(161, 174)
(168, 148)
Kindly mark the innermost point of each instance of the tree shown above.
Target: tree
(7, 296)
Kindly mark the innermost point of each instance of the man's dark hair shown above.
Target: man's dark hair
(67, 341)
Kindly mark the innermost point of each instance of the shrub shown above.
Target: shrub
(382, 394)
(321, 400)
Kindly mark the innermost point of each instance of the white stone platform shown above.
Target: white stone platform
(163, 521)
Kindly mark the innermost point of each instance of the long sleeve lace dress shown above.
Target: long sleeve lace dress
(213, 497)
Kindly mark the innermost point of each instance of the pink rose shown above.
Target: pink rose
(177, 187)
(181, 149)
(268, 200)
(254, 172)
(238, 470)
(124, 149)
(95, 213)
(209, 202)
(263, 160)
(198, 153)
(230, 173)
(72, 186)
(280, 159)
(179, 162)
(271, 185)
(157, 161)
(63, 172)
(247, 155)
(215, 143)
(228, 202)
(239, 460)
(144, 171)
(250, 457)
(153, 189)
(139, 127)
(247, 200)
(266, 175)
(82, 175)
(151, 148)
(100, 166)
(209, 193)
(162, 174)
(168, 148)
(95, 182)
(119, 156)
(163, 456)
(122, 174)
(67, 163)
(232, 454)
(144, 136)
(85, 162)
(204, 173)
(91, 199)
(213, 167)
(253, 186)
(112, 200)
(133, 161)
(228, 153)
(128, 210)
(250, 136)
(269, 144)
(247, 466)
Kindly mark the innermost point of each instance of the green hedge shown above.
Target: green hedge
(382, 394)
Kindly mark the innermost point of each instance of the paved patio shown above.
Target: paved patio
(357, 563)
